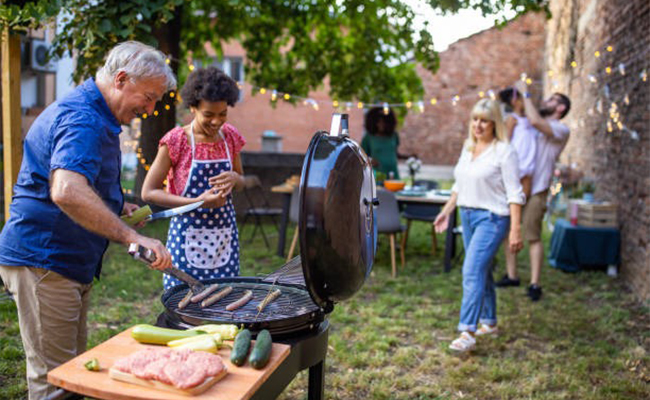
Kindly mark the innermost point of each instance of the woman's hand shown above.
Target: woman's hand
(441, 223)
(514, 238)
(212, 198)
(225, 182)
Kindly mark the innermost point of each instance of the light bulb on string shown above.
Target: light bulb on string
(172, 94)
(434, 101)
(144, 116)
(455, 100)
(491, 94)
(262, 90)
(155, 113)
(608, 70)
(592, 78)
(550, 73)
(644, 75)
(621, 69)
(167, 107)
(274, 95)
(610, 49)
(191, 67)
(529, 81)
(610, 127)
(409, 105)
(574, 64)
(597, 54)
(348, 105)
(335, 103)
(626, 100)
(168, 61)
(286, 96)
(523, 77)
(385, 108)
(421, 106)
(360, 105)
(481, 94)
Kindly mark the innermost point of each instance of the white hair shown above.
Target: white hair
(138, 60)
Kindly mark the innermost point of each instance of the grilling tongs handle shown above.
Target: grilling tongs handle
(148, 256)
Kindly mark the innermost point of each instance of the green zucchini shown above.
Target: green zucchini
(145, 333)
(240, 347)
(261, 352)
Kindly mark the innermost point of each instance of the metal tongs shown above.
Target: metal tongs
(147, 256)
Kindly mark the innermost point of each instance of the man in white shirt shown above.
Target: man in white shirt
(552, 136)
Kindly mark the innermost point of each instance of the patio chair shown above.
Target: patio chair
(422, 212)
(258, 208)
(294, 213)
(388, 222)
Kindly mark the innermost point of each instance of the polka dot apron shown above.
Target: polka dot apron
(204, 242)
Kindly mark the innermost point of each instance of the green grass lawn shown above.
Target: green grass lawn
(586, 339)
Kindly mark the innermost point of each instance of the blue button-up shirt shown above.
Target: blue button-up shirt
(80, 134)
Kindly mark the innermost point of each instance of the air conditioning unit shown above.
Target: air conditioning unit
(39, 61)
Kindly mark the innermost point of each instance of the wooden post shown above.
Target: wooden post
(11, 127)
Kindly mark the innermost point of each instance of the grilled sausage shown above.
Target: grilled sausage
(186, 300)
(217, 296)
(248, 295)
(268, 299)
(204, 293)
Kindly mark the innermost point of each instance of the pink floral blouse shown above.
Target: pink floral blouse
(180, 152)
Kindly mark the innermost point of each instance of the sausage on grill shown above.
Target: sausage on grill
(217, 296)
(248, 295)
(186, 300)
(268, 299)
(204, 293)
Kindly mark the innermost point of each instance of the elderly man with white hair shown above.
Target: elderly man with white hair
(67, 202)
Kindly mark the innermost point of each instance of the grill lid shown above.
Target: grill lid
(337, 223)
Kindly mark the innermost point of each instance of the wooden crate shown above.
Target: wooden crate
(597, 215)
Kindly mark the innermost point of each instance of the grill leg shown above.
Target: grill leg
(316, 381)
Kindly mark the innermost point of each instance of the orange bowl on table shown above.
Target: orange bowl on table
(394, 185)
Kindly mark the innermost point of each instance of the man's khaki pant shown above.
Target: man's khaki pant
(52, 313)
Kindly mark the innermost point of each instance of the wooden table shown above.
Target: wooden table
(286, 190)
(435, 198)
(240, 383)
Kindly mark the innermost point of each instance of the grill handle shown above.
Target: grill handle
(148, 256)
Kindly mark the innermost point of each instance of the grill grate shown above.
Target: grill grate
(292, 302)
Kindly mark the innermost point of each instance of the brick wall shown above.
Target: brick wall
(491, 59)
(619, 162)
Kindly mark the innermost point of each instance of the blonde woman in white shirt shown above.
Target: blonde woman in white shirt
(488, 191)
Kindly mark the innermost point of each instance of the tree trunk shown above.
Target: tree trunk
(153, 128)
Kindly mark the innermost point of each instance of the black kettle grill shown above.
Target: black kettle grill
(337, 233)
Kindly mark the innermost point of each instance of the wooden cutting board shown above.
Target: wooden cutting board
(240, 383)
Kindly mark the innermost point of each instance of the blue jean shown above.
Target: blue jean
(483, 232)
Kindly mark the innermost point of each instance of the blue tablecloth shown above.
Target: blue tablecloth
(577, 247)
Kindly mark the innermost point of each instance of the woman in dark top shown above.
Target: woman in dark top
(380, 141)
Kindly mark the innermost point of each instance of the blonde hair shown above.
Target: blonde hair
(490, 110)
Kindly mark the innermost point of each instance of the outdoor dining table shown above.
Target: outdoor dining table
(436, 198)
(574, 247)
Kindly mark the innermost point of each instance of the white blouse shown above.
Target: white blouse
(491, 181)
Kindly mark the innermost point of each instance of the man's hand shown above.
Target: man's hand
(163, 258)
(128, 210)
(521, 86)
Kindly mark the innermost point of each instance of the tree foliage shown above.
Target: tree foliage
(363, 49)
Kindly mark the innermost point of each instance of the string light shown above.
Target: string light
(621, 68)
(421, 106)
(434, 101)
(610, 48)
(574, 64)
(274, 95)
(262, 90)
(597, 54)
(481, 94)
(286, 96)
(360, 105)
(409, 105)
(608, 70)
(386, 109)
(335, 103)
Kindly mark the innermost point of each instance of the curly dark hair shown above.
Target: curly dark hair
(209, 84)
(374, 115)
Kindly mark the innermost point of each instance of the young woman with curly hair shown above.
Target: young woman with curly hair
(201, 161)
